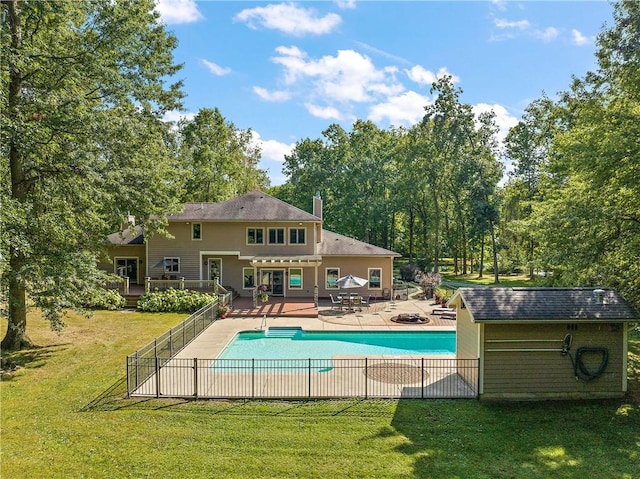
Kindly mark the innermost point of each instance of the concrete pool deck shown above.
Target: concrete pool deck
(378, 316)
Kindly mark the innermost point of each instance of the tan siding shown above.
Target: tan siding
(540, 374)
(467, 343)
(227, 241)
(357, 266)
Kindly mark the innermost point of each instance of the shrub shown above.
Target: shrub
(174, 301)
(105, 299)
(409, 272)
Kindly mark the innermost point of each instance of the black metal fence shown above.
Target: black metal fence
(305, 378)
(146, 361)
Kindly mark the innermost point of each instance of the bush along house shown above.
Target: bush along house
(251, 242)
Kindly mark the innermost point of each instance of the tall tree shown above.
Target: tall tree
(590, 223)
(85, 87)
(219, 160)
(527, 145)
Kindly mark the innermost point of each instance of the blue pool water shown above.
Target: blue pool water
(290, 343)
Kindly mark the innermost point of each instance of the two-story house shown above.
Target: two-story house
(253, 240)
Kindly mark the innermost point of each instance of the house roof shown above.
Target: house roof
(253, 206)
(127, 237)
(544, 304)
(334, 244)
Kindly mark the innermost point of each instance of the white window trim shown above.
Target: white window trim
(295, 288)
(284, 232)
(369, 277)
(193, 225)
(246, 237)
(326, 283)
(305, 236)
(167, 271)
(254, 277)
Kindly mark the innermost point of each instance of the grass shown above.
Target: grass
(64, 415)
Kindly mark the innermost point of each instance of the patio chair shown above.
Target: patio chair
(335, 303)
(356, 303)
(366, 302)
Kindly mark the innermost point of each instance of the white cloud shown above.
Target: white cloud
(289, 18)
(326, 112)
(174, 116)
(272, 96)
(271, 150)
(215, 68)
(547, 34)
(579, 39)
(423, 76)
(346, 4)
(174, 12)
(347, 77)
(406, 109)
(520, 24)
(512, 29)
(504, 120)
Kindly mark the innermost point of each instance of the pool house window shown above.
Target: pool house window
(276, 235)
(375, 278)
(295, 278)
(332, 275)
(249, 280)
(297, 236)
(255, 236)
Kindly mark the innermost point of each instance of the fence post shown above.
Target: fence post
(366, 390)
(155, 347)
(422, 372)
(171, 342)
(146, 284)
(195, 377)
(253, 378)
(137, 370)
(157, 377)
(309, 377)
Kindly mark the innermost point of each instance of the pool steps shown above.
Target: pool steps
(283, 331)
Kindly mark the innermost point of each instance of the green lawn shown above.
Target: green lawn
(64, 415)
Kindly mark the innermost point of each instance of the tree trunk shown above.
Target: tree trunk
(436, 231)
(496, 279)
(16, 337)
(531, 248)
(481, 268)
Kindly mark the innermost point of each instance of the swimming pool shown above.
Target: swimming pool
(295, 343)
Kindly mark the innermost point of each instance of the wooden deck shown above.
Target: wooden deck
(275, 307)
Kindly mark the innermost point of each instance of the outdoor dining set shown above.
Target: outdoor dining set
(347, 300)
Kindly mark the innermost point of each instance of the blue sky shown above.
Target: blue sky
(289, 70)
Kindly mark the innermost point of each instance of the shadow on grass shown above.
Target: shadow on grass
(115, 399)
(560, 439)
(32, 358)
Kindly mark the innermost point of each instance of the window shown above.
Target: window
(375, 275)
(196, 231)
(249, 278)
(332, 275)
(255, 236)
(297, 236)
(171, 265)
(295, 278)
(276, 235)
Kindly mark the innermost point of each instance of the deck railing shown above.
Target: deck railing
(204, 285)
(308, 378)
(146, 361)
(119, 283)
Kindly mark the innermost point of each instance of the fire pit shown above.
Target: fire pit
(409, 318)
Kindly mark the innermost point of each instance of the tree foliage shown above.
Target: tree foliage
(83, 91)
(218, 160)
